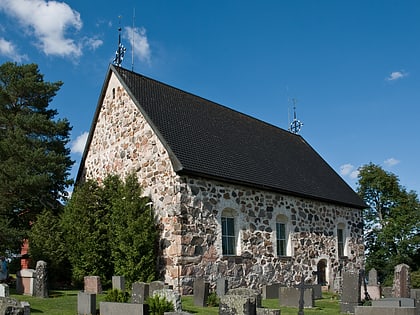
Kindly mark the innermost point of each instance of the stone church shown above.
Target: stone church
(234, 196)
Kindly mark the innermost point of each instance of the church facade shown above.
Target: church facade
(233, 196)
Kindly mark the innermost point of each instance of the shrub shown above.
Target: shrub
(415, 279)
(159, 305)
(213, 300)
(115, 295)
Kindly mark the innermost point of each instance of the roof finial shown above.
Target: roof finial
(119, 54)
(296, 124)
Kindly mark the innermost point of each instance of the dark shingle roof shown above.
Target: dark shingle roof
(207, 139)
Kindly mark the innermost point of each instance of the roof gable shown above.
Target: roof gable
(211, 140)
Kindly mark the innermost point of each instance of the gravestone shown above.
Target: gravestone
(86, 303)
(155, 285)
(10, 306)
(271, 291)
(201, 292)
(93, 284)
(221, 286)
(170, 295)
(291, 297)
(4, 290)
(249, 293)
(25, 281)
(415, 295)
(41, 284)
(118, 282)
(26, 307)
(237, 305)
(115, 308)
(139, 292)
(373, 277)
(374, 310)
(350, 297)
(401, 285)
(394, 302)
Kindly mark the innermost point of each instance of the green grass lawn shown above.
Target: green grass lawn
(65, 303)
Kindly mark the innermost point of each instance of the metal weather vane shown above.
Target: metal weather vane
(119, 54)
(296, 124)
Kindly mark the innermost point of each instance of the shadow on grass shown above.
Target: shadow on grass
(34, 310)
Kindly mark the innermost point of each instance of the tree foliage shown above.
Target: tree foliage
(110, 230)
(85, 224)
(392, 221)
(34, 159)
(46, 243)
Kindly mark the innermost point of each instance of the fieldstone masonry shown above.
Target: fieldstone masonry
(189, 209)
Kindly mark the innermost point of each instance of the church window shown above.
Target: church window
(228, 233)
(281, 236)
(340, 240)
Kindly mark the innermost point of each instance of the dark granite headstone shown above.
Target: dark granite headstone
(201, 292)
(350, 298)
(291, 296)
(271, 291)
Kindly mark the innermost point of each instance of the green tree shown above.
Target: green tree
(85, 225)
(34, 159)
(134, 234)
(392, 221)
(109, 230)
(46, 243)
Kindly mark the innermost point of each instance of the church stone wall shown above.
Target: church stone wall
(312, 226)
(189, 210)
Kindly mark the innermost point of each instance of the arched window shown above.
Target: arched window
(229, 232)
(282, 235)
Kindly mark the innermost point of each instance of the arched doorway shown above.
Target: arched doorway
(322, 272)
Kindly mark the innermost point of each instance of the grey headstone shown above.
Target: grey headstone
(221, 286)
(394, 302)
(139, 292)
(373, 277)
(237, 305)
(249, 293)
(113, 308)
(350, 297)
(387, 292)
(267, 311)
(118, 282)
(290, 296)
(171, 296)
(155, 285)
(317, 288)
(41, 279)
(271, 291)
(373, 310)
(401, 285)
(415, 295)
(26, 307)
(201, 292)
(86, 303)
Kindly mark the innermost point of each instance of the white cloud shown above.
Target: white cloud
(138, 37)
(93, 43)
(9, 50)
(391, 162)
(48, 21)
(349, 170)
(78, 145)
(396, 75)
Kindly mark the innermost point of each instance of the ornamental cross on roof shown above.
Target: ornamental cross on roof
(119, 54)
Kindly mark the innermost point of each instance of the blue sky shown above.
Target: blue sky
(353, 67)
